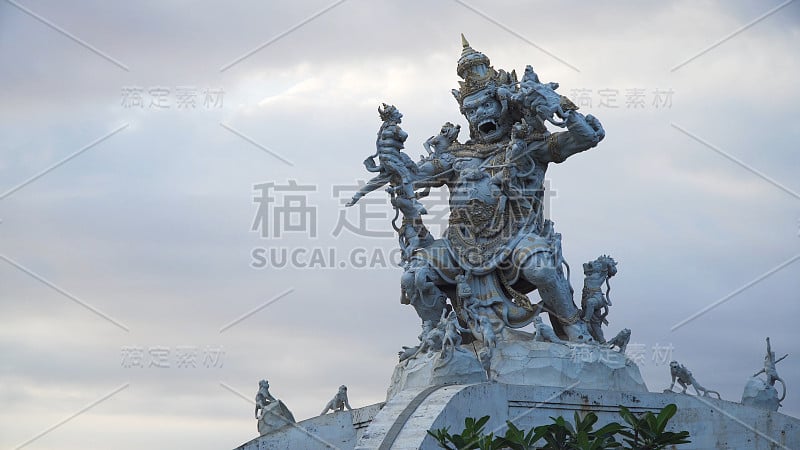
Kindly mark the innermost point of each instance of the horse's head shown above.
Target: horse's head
(604, 263)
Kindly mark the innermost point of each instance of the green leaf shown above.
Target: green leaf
(665, 415)
(628, 417)
(608, 429)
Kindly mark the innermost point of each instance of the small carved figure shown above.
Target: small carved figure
(488, 334)
(544, 333)
(407, 353)
(485, 358)
(338, 402)
(442, 141)
(271, 413)
(452, 335)
(593, 302)
(518, 166)
(543, 99)
(771, 371)
(433, 338)
(412, 234)
(263, 398)
(620, 340)
(393, 166)
(430, 340)
(685, 378)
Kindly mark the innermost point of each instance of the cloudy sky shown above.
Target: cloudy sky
(135, 136)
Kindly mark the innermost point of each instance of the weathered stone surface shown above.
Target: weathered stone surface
(518, 359)
(431, 369)
(340, 430)
(713, 424)
(534, 363)
(402, 422)
(759, 394)
(274, 417)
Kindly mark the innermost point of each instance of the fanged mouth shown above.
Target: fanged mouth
(488, 126)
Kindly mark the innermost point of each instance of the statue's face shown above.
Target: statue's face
(483, 111)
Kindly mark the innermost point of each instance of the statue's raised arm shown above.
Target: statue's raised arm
(584, 132)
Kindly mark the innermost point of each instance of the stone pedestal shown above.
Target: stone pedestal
(712, 424)
(403, 421)
(518, 359)
(431, 369)
(759, 394)
(531, 382)
(274, 417)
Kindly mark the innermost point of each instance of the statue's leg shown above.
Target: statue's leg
(597, 331)
(419, 287)
(588, 312)
(543, 270)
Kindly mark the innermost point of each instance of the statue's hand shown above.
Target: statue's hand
(585, 128)
(596, 126)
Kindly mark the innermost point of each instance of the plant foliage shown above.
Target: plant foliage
(644, 432)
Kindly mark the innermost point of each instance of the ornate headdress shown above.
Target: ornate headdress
(477, 72)
(387, 112)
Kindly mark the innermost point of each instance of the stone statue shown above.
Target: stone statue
(593, 301)
(441, 142)
(270, 412)
(621, 340)
(393, 165)
(761, 393)
(452, 336)
(431, 340)
(544, 333)
(263, 397)
(685, 378)
(338, 402)
(770, 370)
(498, 246)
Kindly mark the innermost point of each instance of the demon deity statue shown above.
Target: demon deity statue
(498, 246)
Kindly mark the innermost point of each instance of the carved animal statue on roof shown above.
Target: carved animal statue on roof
(338, 402)
(685, 378)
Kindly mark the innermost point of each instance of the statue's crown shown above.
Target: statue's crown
(477, 72)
